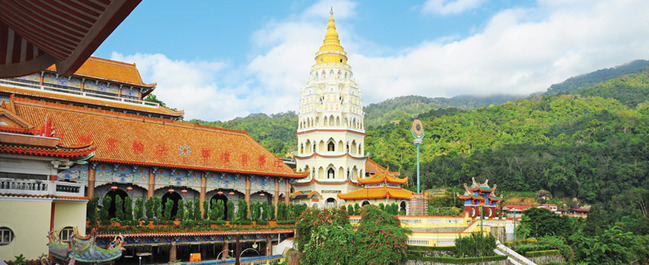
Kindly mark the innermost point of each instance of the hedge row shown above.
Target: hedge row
(532, 254)
(429, 248)
(455, 260)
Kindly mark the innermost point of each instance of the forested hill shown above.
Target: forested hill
(587, 80)
(575, 145)
(407, 108)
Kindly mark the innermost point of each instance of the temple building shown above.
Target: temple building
(480, 197)
(140, 149)
(331, 133)
(380, 187)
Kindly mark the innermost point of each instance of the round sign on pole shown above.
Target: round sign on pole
(417, 127)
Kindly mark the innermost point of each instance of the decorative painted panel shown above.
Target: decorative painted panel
(170, 177)
(128, 91)
(118, 173)
(225, 181)
(60, 80)
(101, 86)
(77, 173)
(32, 77)
(258, 183)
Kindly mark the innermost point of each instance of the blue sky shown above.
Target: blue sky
(219, 60)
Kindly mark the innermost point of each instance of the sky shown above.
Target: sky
(219, 60)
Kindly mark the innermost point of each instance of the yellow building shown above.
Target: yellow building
(32, 200)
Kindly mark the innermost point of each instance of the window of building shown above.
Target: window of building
(331, 203)
(66, 234)
(330, 173)
(330, 147)
(6, 236)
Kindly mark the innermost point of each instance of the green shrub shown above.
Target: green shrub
(475, 245)
(128, 208)
(150, 213)
(230, 210)
(541, 253)
(105, 205)
(180, 213)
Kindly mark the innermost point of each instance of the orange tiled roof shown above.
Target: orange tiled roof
(325, 183)
(26, 195)
(373, 167)
(380, 178)
(92, 101)
(109, 70)
(377, 193)
(57, 151)
(130, 139)
(197, 233)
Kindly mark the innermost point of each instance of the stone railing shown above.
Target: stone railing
(74, 91)
(41, 187)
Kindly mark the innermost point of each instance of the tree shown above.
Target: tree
(189, 212)
(139, 209)
(242, 210)
(104, 214)
(180, 213)
(91, 210)
(169, 204)
(119, 207)
(197, 209)
(157, 207)
(613, 247)
(350, 209)
(230, 210)
(381, 236)
(475, 245)
(150, 213)
(271, 212)
(313, 218)
(128, 208)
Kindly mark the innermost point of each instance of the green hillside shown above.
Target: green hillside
(407, 108)
(587, 80)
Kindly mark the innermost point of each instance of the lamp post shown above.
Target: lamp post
(514, 224)
(481, 210)
(417, 132)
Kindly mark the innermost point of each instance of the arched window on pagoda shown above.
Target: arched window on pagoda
(331, 146)
(331, 173)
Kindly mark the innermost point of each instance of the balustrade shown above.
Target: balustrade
(41, 187)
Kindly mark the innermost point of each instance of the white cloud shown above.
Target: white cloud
(188, 85)
(449, 7)
(513, 54)
(519, 51)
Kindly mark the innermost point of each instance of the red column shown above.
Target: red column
(203, 191)
(288, 191)
(91, 180)
(151, 183)
(269, 246)
(248, 194)
(276, 197)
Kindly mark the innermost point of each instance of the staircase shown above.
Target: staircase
(512, 256)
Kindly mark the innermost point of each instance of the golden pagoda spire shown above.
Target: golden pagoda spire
(331, 50)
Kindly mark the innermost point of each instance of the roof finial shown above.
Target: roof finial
(332, 11)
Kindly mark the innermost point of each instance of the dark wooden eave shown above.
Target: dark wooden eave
(35, 34)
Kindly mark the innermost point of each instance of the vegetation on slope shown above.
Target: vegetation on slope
(577, 83)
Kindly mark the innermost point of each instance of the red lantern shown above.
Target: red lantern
(220, 193)
(129, 188)
(262, 195)
(113, 187)
(183, 191)
(231, 193)
(171, 190)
